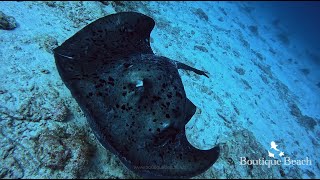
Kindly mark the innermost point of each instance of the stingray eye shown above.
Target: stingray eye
(139, 86)
(139, 83)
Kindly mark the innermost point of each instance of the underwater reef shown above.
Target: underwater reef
(263, 86)
(7, 22)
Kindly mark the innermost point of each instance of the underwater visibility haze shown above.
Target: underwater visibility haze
(120, 89)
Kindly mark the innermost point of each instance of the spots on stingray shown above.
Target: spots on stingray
(110, 79)
(131, 118)
(176, 112)
(124, 107)
(102, 81)
(163, 106)
(179, 94)
(98, 86)
(155, 99)
(99, 93)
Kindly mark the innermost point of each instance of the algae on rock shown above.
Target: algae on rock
(7, 22)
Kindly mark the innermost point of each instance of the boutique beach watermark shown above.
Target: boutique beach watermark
(283, 160)
(155, 167)
(274, 162)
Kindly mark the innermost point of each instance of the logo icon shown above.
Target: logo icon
(278, 158)
(274, 147)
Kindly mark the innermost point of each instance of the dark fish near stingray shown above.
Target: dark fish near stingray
(133, 99)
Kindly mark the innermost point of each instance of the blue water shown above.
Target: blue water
(260, 102)
(301, 18)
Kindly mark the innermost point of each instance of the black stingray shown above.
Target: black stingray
(134, 100)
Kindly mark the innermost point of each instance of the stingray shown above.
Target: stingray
(134, 100)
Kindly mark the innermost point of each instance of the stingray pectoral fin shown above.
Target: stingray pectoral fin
(110, 38)
(190, 110)
(183, 161)
(189, 68)
(196, 161)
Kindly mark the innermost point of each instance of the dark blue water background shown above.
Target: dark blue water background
(302, 19)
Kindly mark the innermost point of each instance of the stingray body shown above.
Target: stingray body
(134, 100)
